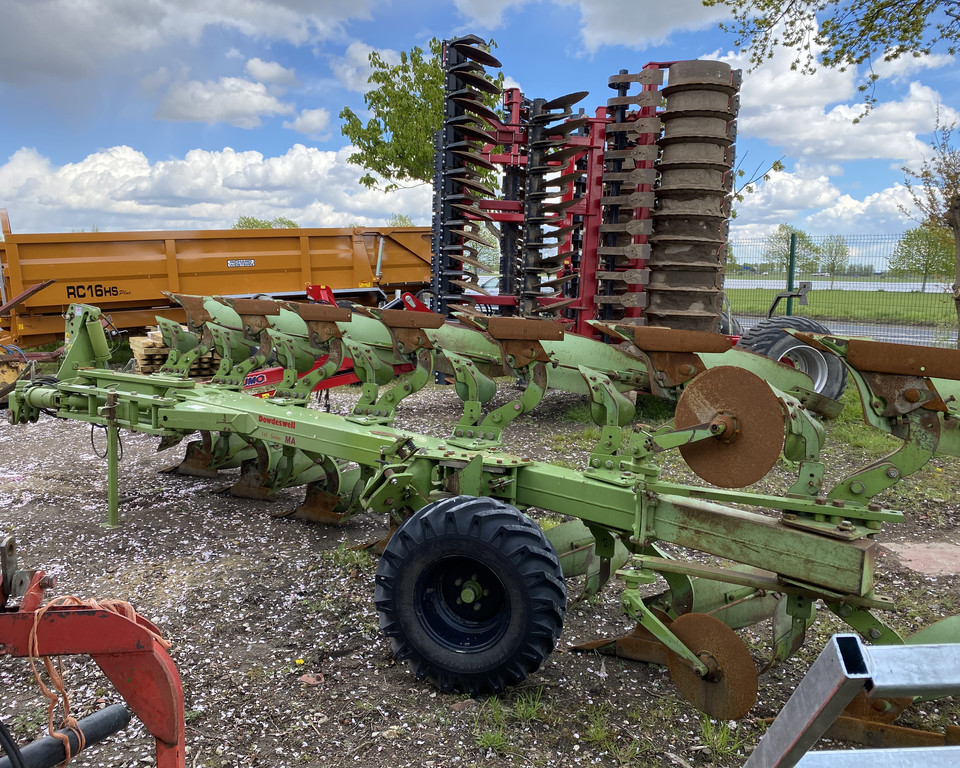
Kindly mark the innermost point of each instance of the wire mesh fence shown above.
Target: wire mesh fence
(883, 286)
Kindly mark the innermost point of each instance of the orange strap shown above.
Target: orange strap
(55, 673)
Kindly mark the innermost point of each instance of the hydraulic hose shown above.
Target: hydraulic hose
(14, 758)
(48, 751)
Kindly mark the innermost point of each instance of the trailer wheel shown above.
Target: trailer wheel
(471, 594)
(768, 338)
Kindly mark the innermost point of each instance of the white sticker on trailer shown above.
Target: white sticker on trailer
(239, 262)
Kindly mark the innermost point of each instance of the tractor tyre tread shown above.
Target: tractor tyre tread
(514, 548)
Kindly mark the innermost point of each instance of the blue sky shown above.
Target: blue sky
(185, 114)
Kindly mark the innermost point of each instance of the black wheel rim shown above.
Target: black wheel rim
(462, 604)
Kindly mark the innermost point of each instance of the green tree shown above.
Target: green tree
(843, 33)
(924, 251)
(488, 253)
(399, 220)
(834, 256)
(396, 143)
(731, 264)
(935, 191)
(776, 250)
(252, 222)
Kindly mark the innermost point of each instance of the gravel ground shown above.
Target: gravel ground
(276, 637)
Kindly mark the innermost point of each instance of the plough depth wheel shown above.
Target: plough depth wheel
(471, 593)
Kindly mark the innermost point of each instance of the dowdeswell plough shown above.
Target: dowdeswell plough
(470, 590)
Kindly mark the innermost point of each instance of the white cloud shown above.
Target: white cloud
(229, 100)
(807, 198)
(640, 24)
(811, 117)
(608, 22)
(900, 68)
(152, 84)
(783, 197)
(310, 122)
(353, 68)
(878, 212)
(70, 40)
(119, 189)
(487, 14)
(270, 72)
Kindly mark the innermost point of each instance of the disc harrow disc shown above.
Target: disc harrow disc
(477, 54)
(467, 234)
(474, 159)
(566, 152)
(477, 81)
(477, 108)
(564, 180)
(474, 211)
(730, 690)
(570, 126)
(475, 185)
(474, 132)
(751, 447)
(567, 100)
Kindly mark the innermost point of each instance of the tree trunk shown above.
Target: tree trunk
(953, 217)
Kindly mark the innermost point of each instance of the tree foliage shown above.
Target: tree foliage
(935, 191)
(924, 251)
(488, 252)
(406, 104)
(937, 182)
(843, 33)
(399, 220)
(776, 250)
(834, 256)
(252, 222)
(407, 107)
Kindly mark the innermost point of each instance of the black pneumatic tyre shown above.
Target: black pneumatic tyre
(768, 338)
(471, 594)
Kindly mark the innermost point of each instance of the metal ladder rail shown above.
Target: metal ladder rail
(843, 669)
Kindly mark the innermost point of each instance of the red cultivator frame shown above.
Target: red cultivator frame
(127, 649)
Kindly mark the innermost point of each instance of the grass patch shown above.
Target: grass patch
(28, 722)
(492, 740)
(578, 413)
(654, 410)
(876, 306)
(583, 439)
(722, 740)
(850, 429)
(546, 521)
(529, 706)
(599, 732)
(490, 726)
(345, 556)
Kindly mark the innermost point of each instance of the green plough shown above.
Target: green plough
(470, 591)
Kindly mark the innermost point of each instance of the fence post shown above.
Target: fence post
(791, 269)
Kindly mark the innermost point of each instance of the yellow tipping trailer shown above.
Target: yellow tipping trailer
(126, 273)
